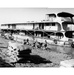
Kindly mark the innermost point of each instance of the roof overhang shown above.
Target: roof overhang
(65, 14)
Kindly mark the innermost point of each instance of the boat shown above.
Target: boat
(56, 30)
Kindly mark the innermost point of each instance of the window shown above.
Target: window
(13, 26)
(9, 26)
(53, 24)
(68, 27)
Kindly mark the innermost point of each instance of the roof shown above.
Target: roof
(65, 14)
(29, 23)
(51, 15)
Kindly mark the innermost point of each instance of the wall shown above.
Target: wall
(4, 27)
(27, 27)
(54, 28)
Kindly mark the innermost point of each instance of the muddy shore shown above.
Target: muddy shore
(35, 57)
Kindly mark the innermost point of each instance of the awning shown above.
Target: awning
(67, 22)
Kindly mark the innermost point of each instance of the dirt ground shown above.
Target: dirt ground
(55, 54)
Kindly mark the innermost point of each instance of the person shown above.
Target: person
(44, 45)
(35, 44)
(72, 44)
(39, 45)
(55, 41)
(24, 41)
(27, 41)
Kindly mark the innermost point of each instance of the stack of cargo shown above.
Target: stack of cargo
(13, 51)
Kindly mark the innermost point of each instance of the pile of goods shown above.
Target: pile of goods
(13, 51)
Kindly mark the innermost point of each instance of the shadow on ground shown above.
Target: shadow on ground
(26, 57)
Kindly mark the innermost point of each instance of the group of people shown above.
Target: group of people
(36, 44)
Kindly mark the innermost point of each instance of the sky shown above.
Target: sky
(21, 15)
